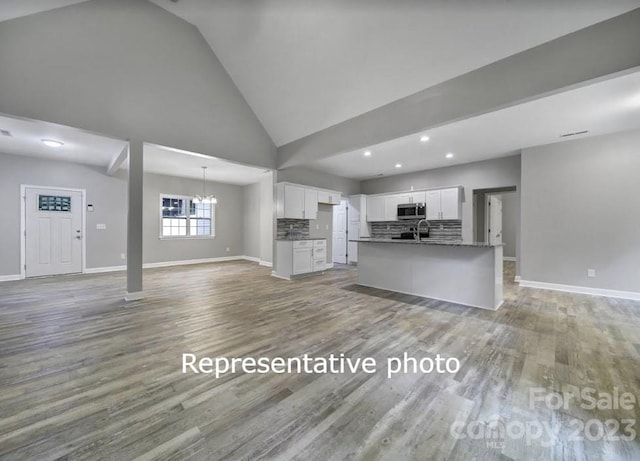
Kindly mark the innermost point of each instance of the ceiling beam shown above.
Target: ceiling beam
(598, 52)
(117, 160)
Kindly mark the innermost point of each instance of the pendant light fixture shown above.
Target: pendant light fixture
(204, 198)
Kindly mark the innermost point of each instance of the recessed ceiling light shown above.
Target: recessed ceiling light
(367, 153)
(398, 165)
(52, 143)
(424, 138)
(449, 155)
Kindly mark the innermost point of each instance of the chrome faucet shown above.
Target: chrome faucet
(416, 235)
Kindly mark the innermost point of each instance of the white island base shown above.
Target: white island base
(461, 273)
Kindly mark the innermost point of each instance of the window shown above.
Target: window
(181, 217)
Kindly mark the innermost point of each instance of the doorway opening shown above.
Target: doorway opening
(494, 220)
(340, 232)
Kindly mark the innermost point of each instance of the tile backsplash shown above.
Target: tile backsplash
(446, 230)
(293, 228)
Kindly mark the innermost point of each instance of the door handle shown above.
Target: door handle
(79, 237)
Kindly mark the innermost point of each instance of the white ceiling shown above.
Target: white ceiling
(606, 107)
(79, 146)
(92, 149)
(175, 162)
(305, 65)
(10, 9)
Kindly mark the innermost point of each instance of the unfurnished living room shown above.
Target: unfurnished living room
(320, 230)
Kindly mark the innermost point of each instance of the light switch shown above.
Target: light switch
(101, 226)
(89, 207)
(591, 272)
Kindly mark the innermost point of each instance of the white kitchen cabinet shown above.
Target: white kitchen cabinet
(450, 204)
(319, 255)
(417, 197)
(376, 208)
(310, 204)
(299, 257)
(432, 200)
(302, 261)
(328, 197)
(290, 201)
(294, 201)
(444, 204)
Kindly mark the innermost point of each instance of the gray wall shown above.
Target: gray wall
(130, 69)
(258, 220)
(107, 194)
(580, 210)
(228, 225)
(510, 220)
(309, 177)
(502, 172)
(251, 220)
(267, 218)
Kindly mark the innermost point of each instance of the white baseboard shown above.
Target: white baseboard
(135, 296)
(100, 270)
(582, 290)
(187, 262)
(509, 258)
(328, 266)
(516, 279)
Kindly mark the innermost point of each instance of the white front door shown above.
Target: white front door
(53, 231)
(494, 223)
(340, 233)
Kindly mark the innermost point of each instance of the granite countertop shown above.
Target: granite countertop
(427, 241)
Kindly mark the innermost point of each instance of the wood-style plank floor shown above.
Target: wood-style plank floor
(84, 375)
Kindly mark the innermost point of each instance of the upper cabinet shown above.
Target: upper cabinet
(329, 197)
(310, 204)
(294, 201)
(385, 207)
(441, 204)
(291, 201)
(444, 204)
(376, 208)
(417, 197)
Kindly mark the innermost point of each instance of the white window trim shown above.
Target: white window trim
(185, 237)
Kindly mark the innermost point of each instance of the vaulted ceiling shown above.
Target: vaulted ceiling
(305, 65)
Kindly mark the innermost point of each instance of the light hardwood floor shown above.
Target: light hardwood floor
(84, 375)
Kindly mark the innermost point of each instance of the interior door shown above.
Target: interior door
(340, 233)
(494, 221)
(53, 231)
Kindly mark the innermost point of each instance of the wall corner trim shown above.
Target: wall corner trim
(582, 290)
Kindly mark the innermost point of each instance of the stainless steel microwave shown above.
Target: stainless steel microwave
(412, 211)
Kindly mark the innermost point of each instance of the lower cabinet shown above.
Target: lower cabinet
(298, 257)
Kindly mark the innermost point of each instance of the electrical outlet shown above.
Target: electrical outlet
(123, 256)
(101, 226)
(591, 272)
(326, 227)
(228, 249)
(317, 226)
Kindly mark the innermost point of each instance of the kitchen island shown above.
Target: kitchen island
(468, 273)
